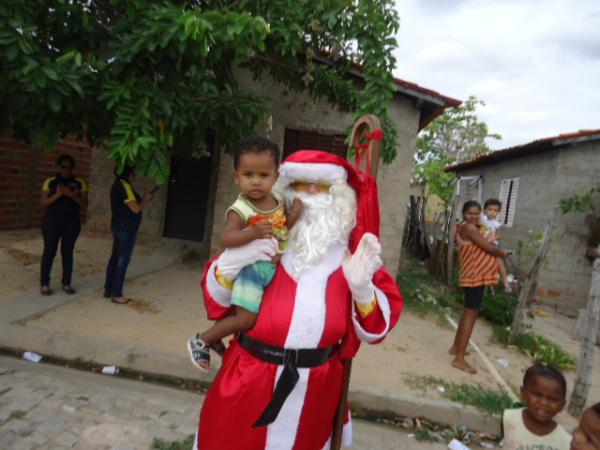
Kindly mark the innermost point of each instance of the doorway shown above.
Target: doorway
(187, 196)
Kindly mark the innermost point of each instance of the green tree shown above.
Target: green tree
(456, 135)
(137, 76)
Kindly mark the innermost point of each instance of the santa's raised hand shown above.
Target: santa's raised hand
(360, 267)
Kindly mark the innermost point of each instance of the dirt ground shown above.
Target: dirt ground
(21, 253)
(167, 310)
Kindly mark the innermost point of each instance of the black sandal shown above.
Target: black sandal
(68, 289)
(45, 290)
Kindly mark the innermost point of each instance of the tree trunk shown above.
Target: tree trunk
(586, 356)
(451, 239)
(529, 283)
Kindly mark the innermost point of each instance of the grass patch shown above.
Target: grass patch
(17, 414)
(186, 444)
(484, 399)
(424, 295)
(425, 435)
(538, 348)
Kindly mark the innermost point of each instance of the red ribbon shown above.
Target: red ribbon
(375, 135)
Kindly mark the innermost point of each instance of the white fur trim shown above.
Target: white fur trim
(384, 306)
(281, 434)
(195, 446)
(306, 330)
(312, 172)
(220, 294)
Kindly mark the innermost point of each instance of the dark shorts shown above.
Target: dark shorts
(474, 297)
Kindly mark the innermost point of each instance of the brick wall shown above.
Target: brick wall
(23, 170)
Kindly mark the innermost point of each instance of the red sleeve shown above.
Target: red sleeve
(215, 298)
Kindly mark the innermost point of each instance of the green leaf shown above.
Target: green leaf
(54, 101)
(50, 73)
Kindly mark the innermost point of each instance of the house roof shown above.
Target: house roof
(531, 148)
(431, 103)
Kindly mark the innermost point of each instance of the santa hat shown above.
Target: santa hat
(318, 166)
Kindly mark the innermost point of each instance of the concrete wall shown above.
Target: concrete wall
(99, 215)
(545, 178)
(288, 111)
(301, 112)
(578, 169)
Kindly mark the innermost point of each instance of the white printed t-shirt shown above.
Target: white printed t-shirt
(518, 437)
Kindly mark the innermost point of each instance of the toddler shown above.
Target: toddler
(490, 226)
(543, 391)
(257, 213)
(587, 434)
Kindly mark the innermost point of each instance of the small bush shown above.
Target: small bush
(538, 348)
(542, 350)
(499, 308)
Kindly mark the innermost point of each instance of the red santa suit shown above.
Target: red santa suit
(311, 310)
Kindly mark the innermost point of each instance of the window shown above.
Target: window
(509, 190)
(313, 140)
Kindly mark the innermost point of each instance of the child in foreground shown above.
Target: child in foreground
(258, 213)
(587, 434)
(543, 391)
(491, 229)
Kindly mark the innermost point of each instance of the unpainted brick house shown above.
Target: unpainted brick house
(530, 180)
(23, 169)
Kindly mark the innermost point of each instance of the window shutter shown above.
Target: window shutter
(511, 207)
(509, 190)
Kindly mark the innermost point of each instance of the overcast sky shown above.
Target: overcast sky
(535, 63)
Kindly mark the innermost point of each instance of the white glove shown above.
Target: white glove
(360, 267)
(232, 260)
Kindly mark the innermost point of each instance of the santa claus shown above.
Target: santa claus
(281, 382)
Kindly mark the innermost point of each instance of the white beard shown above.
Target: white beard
(327, 219)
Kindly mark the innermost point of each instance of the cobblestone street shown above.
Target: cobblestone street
(43, 406)
(53, 408)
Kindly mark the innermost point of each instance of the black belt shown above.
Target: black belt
(291, 359)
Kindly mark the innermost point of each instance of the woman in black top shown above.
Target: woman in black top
(126, 205)
(63, 196)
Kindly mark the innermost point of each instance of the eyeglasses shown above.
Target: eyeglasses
(304, 186)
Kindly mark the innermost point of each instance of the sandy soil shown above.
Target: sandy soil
(167, 310)
(21, 252)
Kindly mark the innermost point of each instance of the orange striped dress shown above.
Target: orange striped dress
(477, 267)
